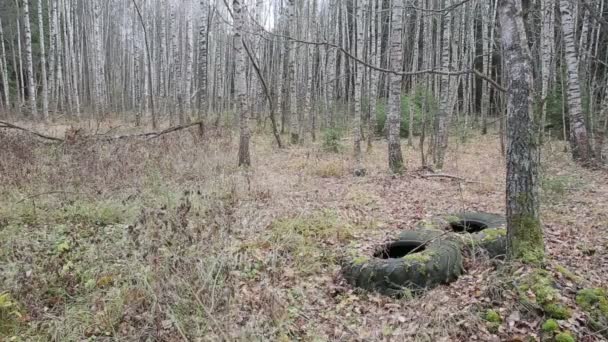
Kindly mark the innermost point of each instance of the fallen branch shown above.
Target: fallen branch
(154, 135)
(443, 175)
(457, 178)
(4, 124)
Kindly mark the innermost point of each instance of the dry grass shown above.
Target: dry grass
(167, 240)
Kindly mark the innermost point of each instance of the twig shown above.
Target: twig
(4, 124)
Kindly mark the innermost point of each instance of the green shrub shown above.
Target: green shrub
(422, 103)
(331, 140)
(381, 110)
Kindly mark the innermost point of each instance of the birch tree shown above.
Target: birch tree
(524, 232)
(31, 84)
(45, 94)
(240, 85)
(395, 158)
(547, 48)
(4, 69)
(579, 139)
(358, 87)
(443, 119)
(203, 46)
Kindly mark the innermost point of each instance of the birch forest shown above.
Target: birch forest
(288, 170)
(377, 67)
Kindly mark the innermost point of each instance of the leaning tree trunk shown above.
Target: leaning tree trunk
(395, 158)
(525, 235)
(579, 139)
(31, 85)
(4, 70)
(240, 85)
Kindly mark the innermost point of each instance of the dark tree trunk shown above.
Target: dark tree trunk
(525, 235)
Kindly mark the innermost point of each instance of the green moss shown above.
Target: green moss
(567, 274)
(542, 285)
(452, 218)
(527, 244)
(492, 316)
(593, 301)
(427, 224)
(557, 311)
(550, 326)
(493, 234)
(9, 314)
(360, 260)
(420, 257)
(564, 337)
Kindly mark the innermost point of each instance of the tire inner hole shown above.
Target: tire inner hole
(399, 249)
(468, 226)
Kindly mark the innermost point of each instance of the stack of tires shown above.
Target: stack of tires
(427, 256)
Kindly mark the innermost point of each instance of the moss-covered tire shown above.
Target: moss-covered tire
(488, 231)
(439, 261)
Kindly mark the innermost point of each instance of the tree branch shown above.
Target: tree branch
(4, 124)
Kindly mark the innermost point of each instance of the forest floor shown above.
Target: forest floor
(166, 239)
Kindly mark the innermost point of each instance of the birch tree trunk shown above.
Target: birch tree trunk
(21, 80)
(31, 84)
(547, 37)
(4, 70)
(358, 69)
(72, 56)
(524, 232)
(240, 85)
(395, 158)
(189, 54)
(45, 94)
(579, 139)
(293, 113)
(99, 57)
(202, 95)
(444, 115)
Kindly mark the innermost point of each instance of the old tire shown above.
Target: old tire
(439, 261)
(486, 231)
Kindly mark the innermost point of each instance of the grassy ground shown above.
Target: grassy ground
(167, 240)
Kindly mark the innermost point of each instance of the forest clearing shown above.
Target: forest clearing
(323, 170)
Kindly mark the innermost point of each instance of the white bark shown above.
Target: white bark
(31, 84)
(45, 94)
(358, 84)
(240, 85)
(4, 70)
(547, 49)
(395, 158)
(579, 140)
(445, 112)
